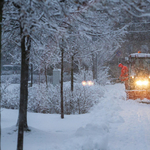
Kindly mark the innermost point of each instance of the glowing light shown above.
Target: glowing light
(84, 83)
(87, 83)
(145, 82)
(132, 77)
(90, 83)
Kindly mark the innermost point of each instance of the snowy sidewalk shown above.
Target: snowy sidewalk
(134, 132)
(114, 124)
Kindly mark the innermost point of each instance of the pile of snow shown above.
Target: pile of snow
(95, 136)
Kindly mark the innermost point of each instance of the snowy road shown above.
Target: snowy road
(134, 133)
(114, 124)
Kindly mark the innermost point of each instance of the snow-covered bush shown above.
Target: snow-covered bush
(42, 99)
(83, 75)
(10, 96)
(81, 99)
(13, 78)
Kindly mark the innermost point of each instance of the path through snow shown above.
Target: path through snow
(134, 133)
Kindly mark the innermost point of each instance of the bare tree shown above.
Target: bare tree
(19, 25)
(61, 93)
(1, 13)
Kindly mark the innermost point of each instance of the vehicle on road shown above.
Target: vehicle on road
(139, 76)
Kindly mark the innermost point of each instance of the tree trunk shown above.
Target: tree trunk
(94, 69)
(27, 52)
(46, 76)
(72, 70)
(31, 75)
(71, 99)
(23, 92)
(39, 76)
(1, 12)
(62, 68)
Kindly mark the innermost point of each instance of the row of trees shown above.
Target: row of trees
(35, 29)
(45, 33)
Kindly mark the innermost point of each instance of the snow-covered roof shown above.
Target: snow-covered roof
(141, 55)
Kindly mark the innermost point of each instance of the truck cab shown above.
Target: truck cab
(139, 76)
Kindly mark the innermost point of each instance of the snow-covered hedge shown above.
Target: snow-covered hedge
(47, 100)
(43, 99)
(82, 98)
(10, 96)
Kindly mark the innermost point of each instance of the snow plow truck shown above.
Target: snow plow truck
(139, 76)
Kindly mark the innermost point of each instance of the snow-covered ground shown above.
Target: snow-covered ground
(114, 124)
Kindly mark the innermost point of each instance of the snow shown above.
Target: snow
(140, 55)
(113, 124)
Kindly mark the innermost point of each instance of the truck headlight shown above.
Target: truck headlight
(142, 82)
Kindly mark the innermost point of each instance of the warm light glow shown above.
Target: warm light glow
(132, 77)
(87, 83)
(90, 83)
(84, 83)
(145, 82)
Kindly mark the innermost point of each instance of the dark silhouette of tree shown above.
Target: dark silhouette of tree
(25, 51)
(62, 69)
(1, 12)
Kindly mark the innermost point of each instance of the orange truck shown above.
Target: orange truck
(139, 76)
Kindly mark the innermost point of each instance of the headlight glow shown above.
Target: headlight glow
(84, 83)
(90, 83)
(87, 83)
(140, 82)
